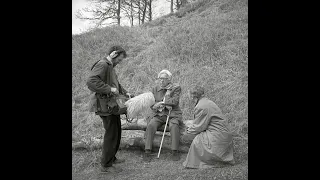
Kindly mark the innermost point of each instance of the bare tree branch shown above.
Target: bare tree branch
(100, 11)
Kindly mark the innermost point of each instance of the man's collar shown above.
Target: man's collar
(168, 87)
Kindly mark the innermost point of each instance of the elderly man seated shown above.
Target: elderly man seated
(167, 97)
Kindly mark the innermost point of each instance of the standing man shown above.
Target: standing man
(103, 82)
(167, 96)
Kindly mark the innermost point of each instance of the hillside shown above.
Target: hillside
(204, 43)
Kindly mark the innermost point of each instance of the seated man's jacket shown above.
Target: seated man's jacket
(172, 98)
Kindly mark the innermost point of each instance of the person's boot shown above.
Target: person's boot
(118, 161)
(147, 156)
(233, 162)
(110, 169)
(175, 155)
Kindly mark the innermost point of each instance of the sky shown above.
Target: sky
(160, 7)
(78, 25)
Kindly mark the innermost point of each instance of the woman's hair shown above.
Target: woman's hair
(119, 50)
(197, 91)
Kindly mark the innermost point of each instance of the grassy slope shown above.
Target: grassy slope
(204, 43)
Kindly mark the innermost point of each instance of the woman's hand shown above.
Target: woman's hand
(188, 124)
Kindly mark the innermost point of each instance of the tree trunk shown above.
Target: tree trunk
(141, 124)
(131, 13)
(171, 6)
(133, 142)
(150, 10)
(139, 142)
(118, 12)
(133, 136)
(139, 12)
(144, 11)
(183, 3)
(178, 4)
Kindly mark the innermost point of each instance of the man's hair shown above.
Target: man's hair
(168, 73)
(119, 50)
(197, 91)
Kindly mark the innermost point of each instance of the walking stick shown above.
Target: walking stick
(165, 127)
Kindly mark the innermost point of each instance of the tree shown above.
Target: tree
(118, 11)
(144, 10)
(178, 4)
(103, 12)
(130, 9)
(139, 9)
(150, 10)
(100, 11)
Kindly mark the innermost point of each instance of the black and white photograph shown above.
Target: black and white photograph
(159, 89)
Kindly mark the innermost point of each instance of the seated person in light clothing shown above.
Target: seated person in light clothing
(211, 139)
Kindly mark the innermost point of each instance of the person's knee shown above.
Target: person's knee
(152, 126)
(183, 139)
(174, 127)
(187, 138)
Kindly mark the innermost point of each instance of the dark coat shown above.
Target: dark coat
(102, 77)
(172, 98)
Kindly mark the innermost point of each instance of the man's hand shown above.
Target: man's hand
(169, 108)
(157, 105)
(129, 95)
(114, 91)
(168, 92)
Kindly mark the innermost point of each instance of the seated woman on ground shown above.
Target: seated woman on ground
(212, 142)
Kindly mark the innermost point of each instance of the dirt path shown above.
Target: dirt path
(85, 166)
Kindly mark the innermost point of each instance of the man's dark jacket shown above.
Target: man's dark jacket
(102, 77)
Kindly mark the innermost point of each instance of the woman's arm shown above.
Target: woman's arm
(200, 123)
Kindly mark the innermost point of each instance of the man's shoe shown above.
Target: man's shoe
(233, 162)
(147, 156)
(110, 169)
(118, 161)
(175, 156)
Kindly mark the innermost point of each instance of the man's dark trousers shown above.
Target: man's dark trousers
(111, 140)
